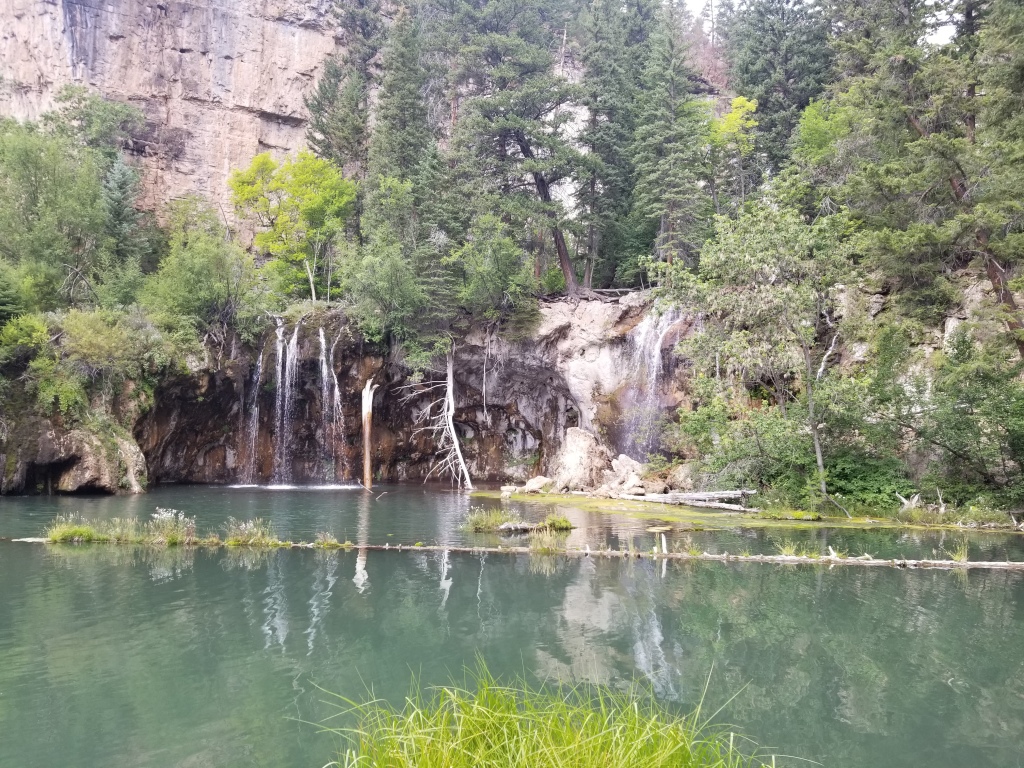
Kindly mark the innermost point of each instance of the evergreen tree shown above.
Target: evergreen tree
(517, 122)
(10, 301)
(337, 129)
(401, 136)
(671, 145)
(616, 42)
(779, 57)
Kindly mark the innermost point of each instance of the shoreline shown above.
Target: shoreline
(729, 519)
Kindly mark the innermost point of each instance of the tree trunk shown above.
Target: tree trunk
(309, 274)
(540, 181)
(449, 418)
(368, 391)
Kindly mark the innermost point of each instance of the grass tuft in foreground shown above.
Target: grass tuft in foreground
(496, 726)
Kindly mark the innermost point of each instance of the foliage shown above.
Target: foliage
(250, 533)
(300, 206)
(489, 725)
(780, 59)
(671, 145)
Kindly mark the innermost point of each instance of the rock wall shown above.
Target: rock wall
(515, 403)
(288, 410)
(218, 80)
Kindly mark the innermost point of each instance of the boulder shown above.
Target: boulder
(538, 484)
(634, 486)
(582, 461)
(680, 477)
(509, 488)
(653, 485)
(624, 466)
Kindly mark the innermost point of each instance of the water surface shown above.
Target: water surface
(118, 656)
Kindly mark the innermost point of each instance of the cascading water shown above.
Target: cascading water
(287, 370)
(642, 403)
(331, 412)
(252, 429)
(337, 416)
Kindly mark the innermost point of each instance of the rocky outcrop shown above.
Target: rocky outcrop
(287, 410)
(218, 80)
(582, 462)
(43, 457)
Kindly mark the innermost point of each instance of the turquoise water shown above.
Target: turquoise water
(116, 656)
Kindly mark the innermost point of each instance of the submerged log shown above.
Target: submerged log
(829, 560)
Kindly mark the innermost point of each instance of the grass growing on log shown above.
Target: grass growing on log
(167, 527)
(489, 725)
(67, 529)
(482, 520)
(557, 523)
(250, 533)
(960, 551)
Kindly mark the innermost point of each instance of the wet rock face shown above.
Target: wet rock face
(218, 80)
(522, 407)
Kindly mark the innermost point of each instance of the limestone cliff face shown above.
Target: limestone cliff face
(218, 80)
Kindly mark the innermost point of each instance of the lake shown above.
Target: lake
(119, 656)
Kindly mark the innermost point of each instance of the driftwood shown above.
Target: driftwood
(708, 499)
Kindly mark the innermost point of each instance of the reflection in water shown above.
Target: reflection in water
(275, 606)
(362, 578)
(323, 583)
(446, 582)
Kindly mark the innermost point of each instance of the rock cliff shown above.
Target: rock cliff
(252, 421)
(218, 80)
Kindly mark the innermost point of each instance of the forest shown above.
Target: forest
(833, 189)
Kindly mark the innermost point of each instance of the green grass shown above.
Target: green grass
(166, 527)
(67, 529)
(557, 523)
(250, 533)
(545, 541)
(482, 520)
(960, 551)
(489, 725)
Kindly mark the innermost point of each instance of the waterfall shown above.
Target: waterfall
(337, 417)
(287, 369)
(642, 411)
(278, 398)
(253, 426)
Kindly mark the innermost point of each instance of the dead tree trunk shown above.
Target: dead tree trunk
(449, 418)
(368, 391)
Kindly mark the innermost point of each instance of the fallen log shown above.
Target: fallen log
(668, 498)
(622, 554)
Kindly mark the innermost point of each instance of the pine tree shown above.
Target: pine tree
(616, 43)
(10, 302)
(671, 145)
(401, 136)
(516, 125)
(337, 116)
(780, 57)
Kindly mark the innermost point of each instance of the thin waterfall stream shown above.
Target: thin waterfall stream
(647, 357)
